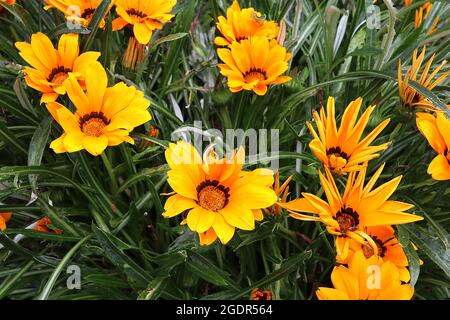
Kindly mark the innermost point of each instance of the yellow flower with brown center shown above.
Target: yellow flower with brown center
(144, 16)
(388, 249)
(254, 64)
(217, 195)
(104, 116)
(76, 11)
(361, 206)
(4, 218)
(366, 279)
(436, 129)
(409, 96)
(50, 67)
(243, 24)
(342, 150)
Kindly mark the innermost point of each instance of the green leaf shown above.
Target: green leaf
(97, 18)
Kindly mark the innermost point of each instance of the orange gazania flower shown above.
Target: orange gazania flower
(421, 14)
(410, 97)
(282, 192)
(50, 67)
(144, 16)
(76, 11)
(436, 129)
(243, 24)
(342, 150)
(43, 226)
(260, 295)
(347, 216)
(103, 117)
(216, 194)
(8, 2)
(254, 64)
(366, 279)
(4, 218)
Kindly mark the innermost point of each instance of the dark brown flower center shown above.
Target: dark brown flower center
(87, 13)
(58, 75)
(368, 250)
(255, 74)
(337, 152)
(347, 219)
(212, 196)
(93, 124)
(136, 13)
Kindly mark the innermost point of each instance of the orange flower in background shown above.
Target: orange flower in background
(342, 150)
(421, 14)
(76, 11)
(51, 67)
(8, 2)
(104, 116)
(347, 216)
(260, 295)
(410, 97)
(43, 226)
(144, 16)
(4, 218)
(389, 249)
(366, 279)
(216, 194)
(242, 24)
(436, 129)
(254, 64)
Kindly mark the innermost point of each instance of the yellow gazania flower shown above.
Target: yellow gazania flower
(389, 249)
(360, 206)
(254, 64)
(76, 11)
(436, 129)
(282, 192)
(104, 116)
(50, 67)
(342, 150)
(145, 16)
(217, 194)
(366, 279)
(243, 24)
(4, 218)
(410, 97)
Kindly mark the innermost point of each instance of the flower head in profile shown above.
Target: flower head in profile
(241, 24)
(282, 192)
(144, 16)
(389, 249)
(343, 150)
(44, 225)
(347, 216)
(50, 67)
(216, 194)
(426, 78)
(254, 64)
(366, 279)
(103, 117)
(4, 218)
(76, 11)
(436, 129)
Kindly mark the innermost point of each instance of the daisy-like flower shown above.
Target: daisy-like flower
(282, 192)
(43, 226)
(410, 97)
(436, 129)
(361, 206)
(76, 11)
(388, 249)
(50, 67)
(342, 150)
(366, 279)
(254, 64)
(243, 24)
(144, 16)
(4, 218)
(217, 195)
(104, 116)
